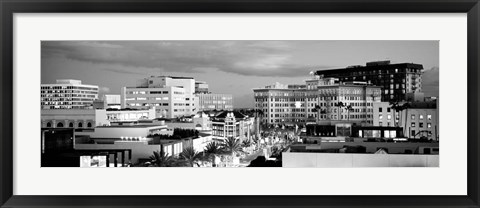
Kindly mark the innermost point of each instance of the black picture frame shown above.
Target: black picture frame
(10, 7)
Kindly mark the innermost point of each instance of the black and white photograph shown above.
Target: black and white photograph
(240, 103)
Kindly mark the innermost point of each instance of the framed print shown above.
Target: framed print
(245, 104)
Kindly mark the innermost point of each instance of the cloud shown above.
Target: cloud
(103, 90)
(431, 82)
(250, 58)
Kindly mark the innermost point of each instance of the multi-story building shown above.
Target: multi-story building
(320, 100)
(421, 120)
(89, 118)
(232, 124)
(418, 120)
(68, 94)
(397, 80)
(207, 102)
(201, 87)
(113, 101)
(384, 115)
(171, 96)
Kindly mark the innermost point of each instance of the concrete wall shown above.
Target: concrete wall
(139, 149)
(393, 148)
(118, 132)
(67, 116)
(343, 160)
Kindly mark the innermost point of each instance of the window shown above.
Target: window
(412, 134)
(80, 125)
(380, 117)
(70, 125)
(429, 125)
(380, 123)
(49, 124)
(413, 124)
(413, 117)
(60, 125)
(388, 110)
(429, 117)
(380, 109)
(89, 125)
(389, 116)
(420, 125)
(420, 117)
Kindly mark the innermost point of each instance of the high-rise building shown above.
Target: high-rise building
(396, 80)
(320, 100)
(170, 96)
(68, 94)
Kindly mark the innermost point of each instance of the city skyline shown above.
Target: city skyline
(237, 66)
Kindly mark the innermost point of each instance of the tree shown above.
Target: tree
(317, 110)
(405, 107)
(211, 150)
(160, 159)
(190, 156)
(232, 146)
(397, 107)
(339, 105)
(349, 108)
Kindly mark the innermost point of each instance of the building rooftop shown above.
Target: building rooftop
(132, 126)
(236, 114)
(173, 77)
(372, 66)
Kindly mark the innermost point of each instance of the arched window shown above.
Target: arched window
(80, 125)
(198, 126)
(89, 125)
(49, 124)
(60, 125)
(70, 125)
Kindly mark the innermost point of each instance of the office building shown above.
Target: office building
(201, 87)
(317, 101)
(396, 80)
(172, 97)
(207, 102)
(68, 94)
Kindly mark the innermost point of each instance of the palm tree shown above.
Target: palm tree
(232, 146)
(246, 143)
(395, 106)
(339, 105)
(317, 110)
(160, 159)
(190, 156)
(405, 107)
(258, 114)
(211, 150)
(349, 108)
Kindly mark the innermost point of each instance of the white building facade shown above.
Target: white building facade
(295, 104)
(68, 94)
(171, 96)
(213, 101)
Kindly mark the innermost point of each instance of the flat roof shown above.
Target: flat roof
(375, 67)
(133, 126)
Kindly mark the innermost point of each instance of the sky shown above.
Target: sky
(233, 67)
